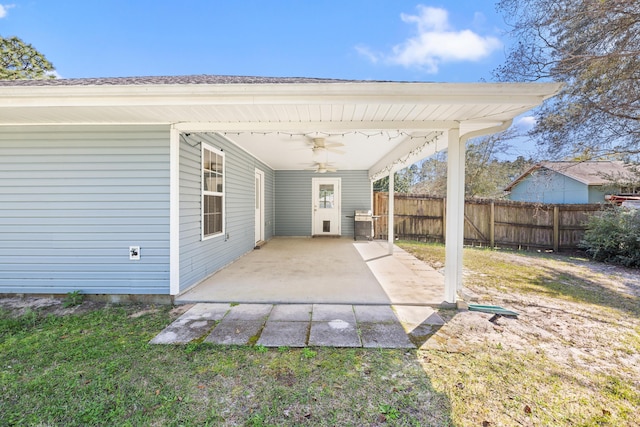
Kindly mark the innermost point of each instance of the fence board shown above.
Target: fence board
(502, 223)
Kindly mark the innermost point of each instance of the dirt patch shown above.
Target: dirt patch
(17, 306)
(595, 335)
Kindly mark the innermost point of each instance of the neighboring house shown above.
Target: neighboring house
(149, 185)
(570, 182)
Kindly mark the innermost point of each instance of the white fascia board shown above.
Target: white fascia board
(230, 94)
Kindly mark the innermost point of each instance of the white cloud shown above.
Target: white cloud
(525, 122)
(436, 42)
(4, 9)
(368, 53)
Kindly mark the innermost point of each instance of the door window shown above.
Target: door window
(327, 194)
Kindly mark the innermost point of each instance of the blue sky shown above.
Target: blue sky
(455, 41)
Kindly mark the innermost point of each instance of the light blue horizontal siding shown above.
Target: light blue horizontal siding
(72, 201)
(357, 193)
(294, 205)
(201, 258)
(550, 187)
(597, 193)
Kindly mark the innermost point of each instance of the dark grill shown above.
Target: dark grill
(362, 225)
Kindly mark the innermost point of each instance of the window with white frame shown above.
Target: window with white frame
(212, 192)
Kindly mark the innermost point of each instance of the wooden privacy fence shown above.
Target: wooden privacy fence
(492, 223)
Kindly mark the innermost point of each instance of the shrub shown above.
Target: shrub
(614, 236)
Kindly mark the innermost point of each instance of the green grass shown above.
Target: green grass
(97, 369)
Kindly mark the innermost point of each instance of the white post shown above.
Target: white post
(454, 216)
(390, 234)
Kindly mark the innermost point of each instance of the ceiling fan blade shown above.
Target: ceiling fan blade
(335, 150)
(333, 144)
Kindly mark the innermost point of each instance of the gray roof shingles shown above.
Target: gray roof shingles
(171, 80)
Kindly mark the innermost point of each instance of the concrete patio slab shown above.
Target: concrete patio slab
(235, 332)
(384, 335)
(285, 271)
(284, 333)
(335, 333)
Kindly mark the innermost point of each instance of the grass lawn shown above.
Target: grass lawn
(97, 369)
(572, 359)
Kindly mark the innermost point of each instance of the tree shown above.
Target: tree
(486, 175)
(402, 181)
(594, 47)
(20, 60)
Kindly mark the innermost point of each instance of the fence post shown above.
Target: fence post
(556, 228)
(492, 226)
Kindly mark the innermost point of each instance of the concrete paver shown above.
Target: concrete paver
(299, 325)
(329, 312)
(249, 312)
(374, 313)
(334, 333)
(208, 311)
(193, 324)
(278, 333)
(384, 335)
(291, 312)
(238, 332)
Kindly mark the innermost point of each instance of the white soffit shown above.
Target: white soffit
(275, 122)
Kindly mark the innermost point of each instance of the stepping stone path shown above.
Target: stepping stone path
(300, 325)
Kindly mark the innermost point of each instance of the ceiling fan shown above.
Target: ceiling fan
(322, 167)
(320, 145)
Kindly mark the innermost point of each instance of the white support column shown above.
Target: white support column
(174, 211)
(390, 214)
(454, 215)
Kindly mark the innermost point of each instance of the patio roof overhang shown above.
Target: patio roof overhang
(383, 126)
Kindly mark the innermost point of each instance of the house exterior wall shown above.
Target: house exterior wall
(72, 201)
(294, 205)
(596, 194)
(551, 187)
(201, 258)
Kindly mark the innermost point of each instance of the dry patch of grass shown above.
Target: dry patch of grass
(572, 357)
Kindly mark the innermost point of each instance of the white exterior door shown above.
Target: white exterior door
(259, 216)
(326, 206)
